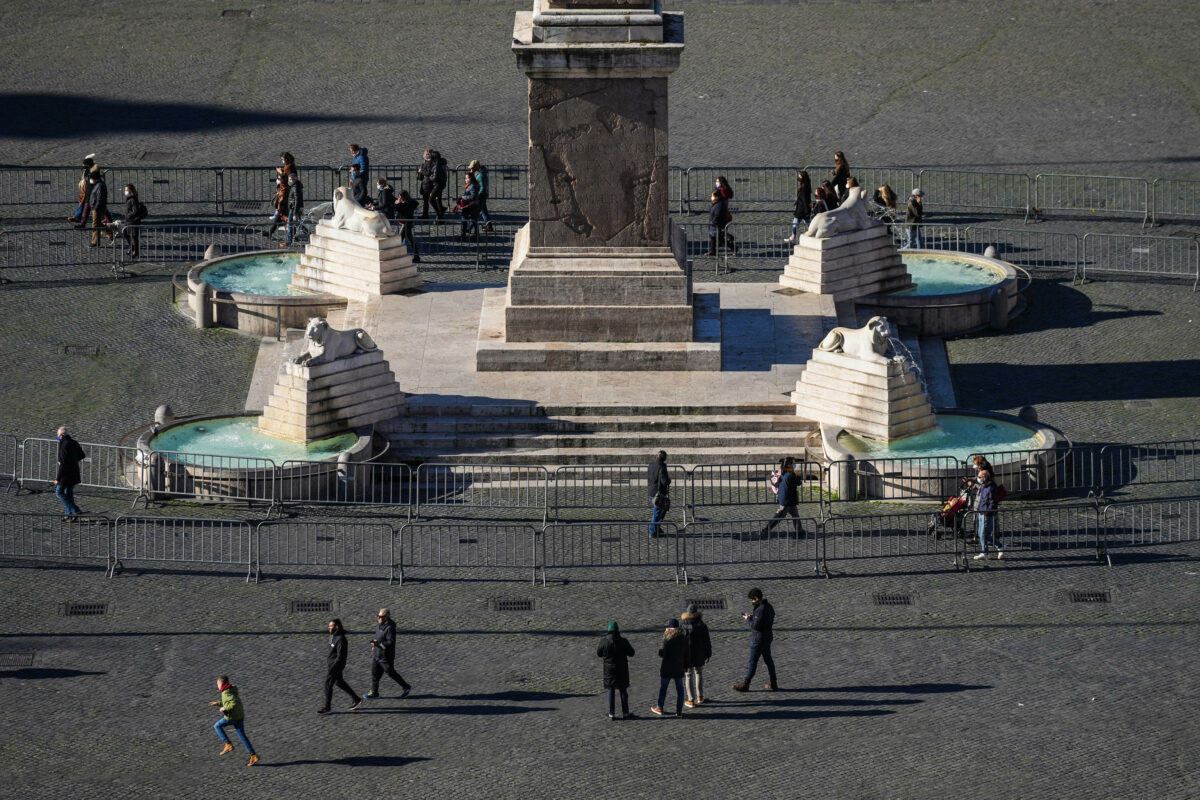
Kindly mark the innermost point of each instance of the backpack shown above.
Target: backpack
(1001, 493)
(142, 210)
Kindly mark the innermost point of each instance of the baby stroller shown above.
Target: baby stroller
(948, 521)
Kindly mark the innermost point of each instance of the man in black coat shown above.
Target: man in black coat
(674, 655)
(616, 651)
(761, 622)
(98, 207)
(699, 651)
(295, 205)
(358, 187)
(336, 663)
(658, 485)
(433, 175)
(67, 477)
(406, 210)
(787, 494)
(383, 656)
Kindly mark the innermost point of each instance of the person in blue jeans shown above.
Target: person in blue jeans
(761, 621)
(232, 713)
(986, 504)
(67, 477)
(658, 484)
(674, 655)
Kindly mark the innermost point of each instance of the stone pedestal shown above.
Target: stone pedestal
(878, 399)
(847, 265)
(315, 402)
(599, 264)
(354, 265)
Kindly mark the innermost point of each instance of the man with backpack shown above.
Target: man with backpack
(986, 503)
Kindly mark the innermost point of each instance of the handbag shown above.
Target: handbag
(663, 502)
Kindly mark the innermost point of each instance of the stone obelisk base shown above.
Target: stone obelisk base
(353, 265)
(310, 403)
(879, 400)
(847, 265)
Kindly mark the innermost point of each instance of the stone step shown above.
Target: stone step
(646, 441)
(588, 424)
(553, 457)
(422, 405)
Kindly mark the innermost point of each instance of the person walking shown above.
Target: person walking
(358, 186)
(674, 663)
(914, 215)
(718, 212)
(385, 199)
(280, 203)
(135, 212)
(295, 206)
(232, 713)
(358, 156)
(468, 206)
(98, 207)
(406, 211)
(699, 651)
(336, 664)
(432, 177)
(787, 494)
(803, 208)
(658, 484)
(986, 503)
(383, 656)
(616, 651)
(840, 173)
(80, 217)
(480, 173)
(67, 477)
(761, 622)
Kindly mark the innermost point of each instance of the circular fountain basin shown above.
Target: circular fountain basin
(928, 466)
(955, 293)
(224, 457)
(250, 292)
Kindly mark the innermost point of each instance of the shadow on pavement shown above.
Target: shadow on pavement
(350, 761)
(44, 673)
(465, 711)
(513, 696)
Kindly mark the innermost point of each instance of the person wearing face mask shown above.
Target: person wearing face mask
(98, 206)
(468, 205)
(67, 477)
(358, 156)
(279, 203)
(432, 177)
(406, 210)
(986, 503)
(385, 199)
(295, 206)
(135, 212)
(480, 173)
(358, 187)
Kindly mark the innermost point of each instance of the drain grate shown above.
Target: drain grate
(610, 539)
(16, 659)
(882, 599)
(708, 603)
(512, 604)
(309, 606)
(235, 12)
(85, 609)
(1090, 597)
(247, 205)
(1136, 404)
(464, 540)
(158, 156)
(79, 350)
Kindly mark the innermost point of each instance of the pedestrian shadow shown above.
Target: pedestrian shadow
(44, 673)
(464, 711)
(794, 713)
(899, 688)
(815, 701)
(349, 761)
(512, 696)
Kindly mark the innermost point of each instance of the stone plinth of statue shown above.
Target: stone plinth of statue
(850, 383)
(847, 254)
(339, 383)
(354, 255)
(599, 262)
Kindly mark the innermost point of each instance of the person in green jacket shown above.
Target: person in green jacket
(232, 713)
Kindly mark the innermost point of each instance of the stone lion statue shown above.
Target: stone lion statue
(868, 343)
(349, 215)
(849, 216)
(326, 344)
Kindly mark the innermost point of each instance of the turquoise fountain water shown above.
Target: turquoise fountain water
(235, 437)
(947, 274)
(262, 273)
(959, 436)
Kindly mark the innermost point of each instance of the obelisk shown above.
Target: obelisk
(599, 277)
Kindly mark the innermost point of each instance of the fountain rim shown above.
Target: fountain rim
(977, 294)
(194, 281)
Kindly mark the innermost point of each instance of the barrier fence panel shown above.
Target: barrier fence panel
(167, 186)
(1104, 194)
(105, 466)
(882, 536)
(443, 242)
(756, 240)
(761, 187)
(183, 540)
(10, 460)
(676, 188)
(58, 247)
(1151, 523)
(1028, 249)
(1125, 465)
(469, 545)
(1033, 471)
(50, 536)
(590, 487)
(504, 182)
(925, 478)
(610, 544)
(495, 486)
(1038, 529)
(356, 483)
(36, 186)
(934, 235)
(324, 544)
(1176, 198)
(958, 190)
(748, 541)
(186, 243)
(902, 180)
(209, 477)
(1148, 255)
(400, 176)
(253, 188)
(718, 485)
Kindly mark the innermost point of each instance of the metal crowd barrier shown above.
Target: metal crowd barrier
(1175, 198)
(57, 247)
(1037, 529)
(749, 542)
(505, 181)
(934, 235)
(592, 486)
(1148, 255)
(185, 243)
(469, 545)
(10, 460)
(755, 186)
(106, 466)
(1029, 249)
(915, 478)
(496, 486)
(208, 477)
(24, 535)
(880, 536)
(1150, 523)
(611, 544)
(356, 483)
(325, 544)
(961, 190)
(1123, 465)
(179, 540)
(723, 485)
(253, 188)
(1110, 194)
(901, 179)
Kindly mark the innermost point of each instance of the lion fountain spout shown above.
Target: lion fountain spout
(851, 383)
(311, 400)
